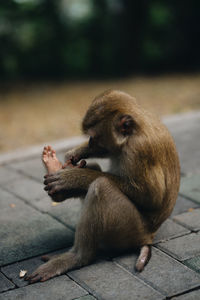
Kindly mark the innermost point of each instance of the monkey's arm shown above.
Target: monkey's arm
(76, 181)
(79, 152)
(85, 150)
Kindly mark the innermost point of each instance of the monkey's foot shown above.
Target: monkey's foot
(45, 272)
(55, 266)
(50, 160)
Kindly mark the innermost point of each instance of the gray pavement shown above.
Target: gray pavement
(30, 225)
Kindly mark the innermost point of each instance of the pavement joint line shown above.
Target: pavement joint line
(9, 289)
(184, 262)
(32, 257)
(185, 226)
(188, 198)
(57, 219)
(137, 275)
(78, 283)
(168, 252)
(184, 293)
(36, 208)
(35, 151)
(171, 238)
(174, 256)
(22, 199)
(85, 287)
(16, 286)
(21, 172)
(29, 203)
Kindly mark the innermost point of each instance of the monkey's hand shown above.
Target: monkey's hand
(76, 154)
(69, 182)
(70, 163)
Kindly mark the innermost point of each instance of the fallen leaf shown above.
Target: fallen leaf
(12, 205)
(190, 209)
(22, 273)
(54, 203)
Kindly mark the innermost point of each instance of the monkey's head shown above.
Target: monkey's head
(110, 121)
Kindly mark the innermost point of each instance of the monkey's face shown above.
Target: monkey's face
(109, 123)
(98, 139)
(110, 134)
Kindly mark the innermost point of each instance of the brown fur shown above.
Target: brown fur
(124, 207)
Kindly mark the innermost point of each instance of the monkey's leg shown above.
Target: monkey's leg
(108, 217)
(84, 249)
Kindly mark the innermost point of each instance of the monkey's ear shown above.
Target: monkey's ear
(125, 125)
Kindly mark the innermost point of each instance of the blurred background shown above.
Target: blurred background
(57, 55)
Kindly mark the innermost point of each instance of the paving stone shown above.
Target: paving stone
(105, 280)
(190, 220)
(26, 188)
(8, 201)
(12, 271)
(5, 284)
(67, 212)
(57, 288)
(190, 187)
(25, 232)
(31, 167)
(193, 263)
(183, 247)
(194, 295)
(7, 175)
(185, 130)
(168, 230)
(183, 205)
(163, 273)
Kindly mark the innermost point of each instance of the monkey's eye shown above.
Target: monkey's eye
(126, 125)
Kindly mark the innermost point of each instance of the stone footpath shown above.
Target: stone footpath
(30, 225)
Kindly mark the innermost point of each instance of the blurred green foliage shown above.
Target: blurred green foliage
(87, 38)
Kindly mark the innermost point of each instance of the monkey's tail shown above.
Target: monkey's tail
(144, 257)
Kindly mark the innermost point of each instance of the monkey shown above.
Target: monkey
(124, 207)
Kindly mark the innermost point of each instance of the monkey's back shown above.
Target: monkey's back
(161, 173)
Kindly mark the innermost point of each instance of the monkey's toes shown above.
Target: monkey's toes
(34, 277)
(39, 275)
(50, 160)
(45, 272)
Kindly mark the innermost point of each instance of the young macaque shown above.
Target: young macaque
(124, 207)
